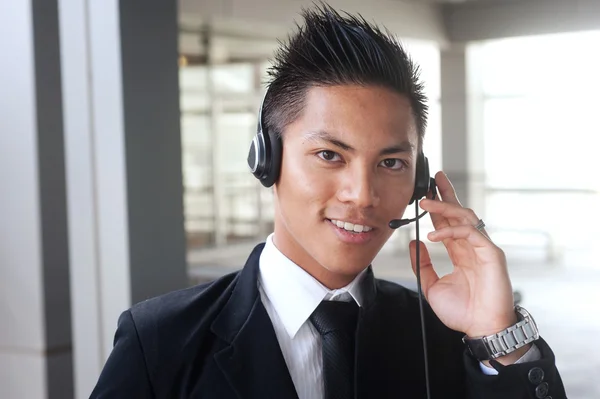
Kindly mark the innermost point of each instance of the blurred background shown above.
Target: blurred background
(124, 128)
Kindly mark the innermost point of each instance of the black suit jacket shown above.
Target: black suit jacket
(217, 341)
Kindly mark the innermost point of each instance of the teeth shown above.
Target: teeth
(357, 228)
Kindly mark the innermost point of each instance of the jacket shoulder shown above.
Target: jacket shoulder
(179, 309)
(174, 327)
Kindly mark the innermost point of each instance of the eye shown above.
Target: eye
(393, 163)
(327, 155)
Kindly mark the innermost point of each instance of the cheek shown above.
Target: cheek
(304, 185)
(395, 196)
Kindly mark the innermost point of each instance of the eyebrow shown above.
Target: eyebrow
(405, 146)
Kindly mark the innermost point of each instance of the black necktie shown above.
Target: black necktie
(336, 322)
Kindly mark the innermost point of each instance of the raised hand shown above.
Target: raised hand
(477, 297)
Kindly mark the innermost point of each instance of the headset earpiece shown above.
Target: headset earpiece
(422, 178)
(264, 156)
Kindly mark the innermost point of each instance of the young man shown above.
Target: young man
(343, 119)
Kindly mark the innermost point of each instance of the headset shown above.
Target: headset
(264, 157)
(264, 160)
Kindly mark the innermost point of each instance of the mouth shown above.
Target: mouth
(350, 227)
(351, 233)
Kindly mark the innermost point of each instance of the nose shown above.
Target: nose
(359, 187)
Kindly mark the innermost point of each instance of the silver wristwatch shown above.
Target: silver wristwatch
(505, 341)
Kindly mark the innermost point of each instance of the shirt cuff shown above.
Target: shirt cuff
(531, 355)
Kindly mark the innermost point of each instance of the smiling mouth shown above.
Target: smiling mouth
(351, 227)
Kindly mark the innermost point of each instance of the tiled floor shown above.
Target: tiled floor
(563, 297)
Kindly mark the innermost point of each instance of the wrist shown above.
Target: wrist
(492, 327)
(510, 343)
(511, 358)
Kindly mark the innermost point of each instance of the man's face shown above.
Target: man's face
(349, 159)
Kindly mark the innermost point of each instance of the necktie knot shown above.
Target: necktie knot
(336, 316)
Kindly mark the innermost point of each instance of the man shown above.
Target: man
(344, 119)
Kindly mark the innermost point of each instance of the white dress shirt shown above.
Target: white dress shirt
(290, 295)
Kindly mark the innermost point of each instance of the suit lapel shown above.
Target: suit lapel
(252, 360)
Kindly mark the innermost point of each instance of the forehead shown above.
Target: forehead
(361, 113)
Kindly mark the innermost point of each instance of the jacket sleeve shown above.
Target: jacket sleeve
(125, 374)
(528, 380)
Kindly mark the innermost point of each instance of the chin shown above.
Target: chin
(349, 266)
(347, 259)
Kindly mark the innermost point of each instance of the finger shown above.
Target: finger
(445, 188)
(439, 222)
(450, 211)
(447, 195)
(466, 232)
(428, 275)
(455, 215)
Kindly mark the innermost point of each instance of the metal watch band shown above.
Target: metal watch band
(505, 341)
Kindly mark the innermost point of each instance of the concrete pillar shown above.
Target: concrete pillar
(123, 153)
(150, 76)
(90, 170)
(35, 312)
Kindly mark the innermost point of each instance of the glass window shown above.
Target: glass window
(218, 105)
(540, 125)
(544, 136)
(540, 65)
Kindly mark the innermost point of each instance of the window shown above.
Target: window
(219, 106)
(540, 124)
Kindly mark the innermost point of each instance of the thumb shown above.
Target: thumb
(428, 275)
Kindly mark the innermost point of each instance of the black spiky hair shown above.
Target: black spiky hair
(332, 49)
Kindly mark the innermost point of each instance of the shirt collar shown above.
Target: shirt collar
(293, 292)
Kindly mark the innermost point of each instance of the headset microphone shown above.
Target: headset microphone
(395, 223)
